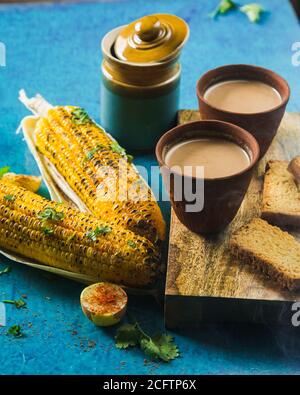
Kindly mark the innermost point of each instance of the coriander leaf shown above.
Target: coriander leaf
(253, 11)
(150, 348)
(130, 158)
(115, 147)
(167, 348)
(91, 235)
(47, 231)
(20, 303)
(80, 116)
(100, 230)
(128, 335)
(160, 346)
(131, 243)
(15, 330)
(10, 198)
(223, 7)
(6, 270)
(90, 154)
(50, 214)
(4, 170)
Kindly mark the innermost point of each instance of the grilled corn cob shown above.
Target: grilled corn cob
(97, 169)
(32, 183)
(57, 235)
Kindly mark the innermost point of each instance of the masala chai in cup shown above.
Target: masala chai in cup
(251, 97)
(217, 156)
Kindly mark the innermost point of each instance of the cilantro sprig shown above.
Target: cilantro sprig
(80, 116)
(115, 147)
(253, 11)
(100, 230)
(47, 231)
(6, 270)
(15, 330)
(223, 7)
(4, 170)
(51, 214)
(131, 243)
(90, 154)
(10, 198)
(19, 303)
(160, 346)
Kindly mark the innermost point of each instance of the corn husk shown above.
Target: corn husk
(58, 188)
(59, 191)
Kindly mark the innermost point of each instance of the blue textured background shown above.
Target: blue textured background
(55, 50)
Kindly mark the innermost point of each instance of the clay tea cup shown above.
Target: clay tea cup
(207, 205)
(263, 124)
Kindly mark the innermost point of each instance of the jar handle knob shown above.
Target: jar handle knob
(148, 28)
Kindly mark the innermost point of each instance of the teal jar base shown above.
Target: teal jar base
(138, 123)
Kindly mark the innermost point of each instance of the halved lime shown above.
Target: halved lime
(104, 303)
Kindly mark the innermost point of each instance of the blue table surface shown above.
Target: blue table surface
(55, 50)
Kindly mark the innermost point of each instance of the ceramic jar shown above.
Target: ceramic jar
(140, 79)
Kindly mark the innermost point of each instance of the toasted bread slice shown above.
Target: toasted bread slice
(294, 168)
(270, 250)
(281, 197)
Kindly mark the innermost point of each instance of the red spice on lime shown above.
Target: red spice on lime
(104, 303)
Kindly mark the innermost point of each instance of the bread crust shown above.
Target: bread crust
(254, 256)
(281, 219)
(264, 267)
(278, 179)
(294, 169)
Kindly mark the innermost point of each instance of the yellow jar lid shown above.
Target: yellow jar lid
(152, 38)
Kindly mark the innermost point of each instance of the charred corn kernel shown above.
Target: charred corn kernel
(99, 172)
(57, 235)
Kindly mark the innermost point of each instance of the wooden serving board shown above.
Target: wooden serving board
(204, 283)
